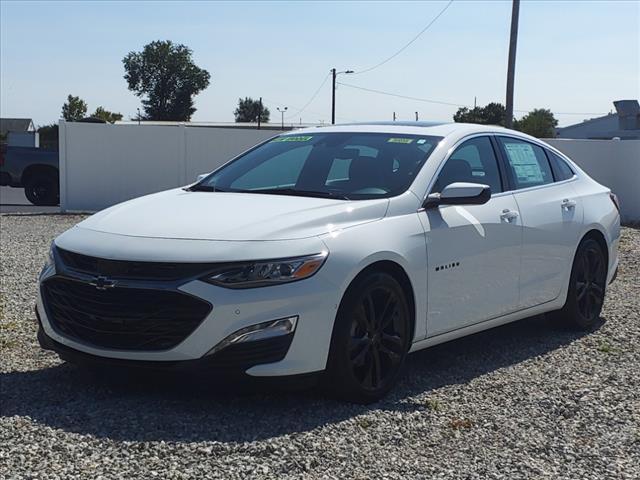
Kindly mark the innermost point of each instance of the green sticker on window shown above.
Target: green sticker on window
(400, 140)
(292, 138)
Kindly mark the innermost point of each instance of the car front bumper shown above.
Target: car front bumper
(313, 301)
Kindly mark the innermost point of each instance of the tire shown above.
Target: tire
(585, 295)
(370, 341)
(42, 189)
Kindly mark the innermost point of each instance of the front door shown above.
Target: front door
(473, 250)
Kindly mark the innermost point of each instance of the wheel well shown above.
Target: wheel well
(399, 274)
(35, 170)
(599, 237)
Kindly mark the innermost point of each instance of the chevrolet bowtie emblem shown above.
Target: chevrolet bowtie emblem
(102, 283)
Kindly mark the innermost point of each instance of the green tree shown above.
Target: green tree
(48, 136)
(106, 115)
(490, 114)
(248, 110)
(539, 123)
(165, 75)
(74, 109)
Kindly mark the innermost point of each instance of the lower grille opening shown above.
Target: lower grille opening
(122, 318)
(244, 355)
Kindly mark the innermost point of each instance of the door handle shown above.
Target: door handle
(509, 215)
(568, 204)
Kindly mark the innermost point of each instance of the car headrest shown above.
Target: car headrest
(367, 171)
(457, 170)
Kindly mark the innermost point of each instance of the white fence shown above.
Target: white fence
(101, 165)
(614, 163)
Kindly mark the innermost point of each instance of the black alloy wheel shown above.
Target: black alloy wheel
(371, 339)
(587, 286)
(590, 279)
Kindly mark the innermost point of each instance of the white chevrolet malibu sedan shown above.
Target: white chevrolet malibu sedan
(335, 251)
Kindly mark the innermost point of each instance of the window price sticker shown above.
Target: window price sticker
(524, 162)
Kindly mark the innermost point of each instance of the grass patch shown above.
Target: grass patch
(434, 404)
(364, 422)
(606, 347)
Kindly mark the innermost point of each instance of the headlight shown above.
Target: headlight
(49, 266)
(49, 261)
(268, 272)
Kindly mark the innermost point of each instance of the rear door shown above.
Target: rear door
(551, 215)
(473, 250)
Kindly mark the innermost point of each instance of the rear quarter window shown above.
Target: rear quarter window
(561, 169)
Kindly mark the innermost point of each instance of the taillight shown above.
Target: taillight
(614, 199)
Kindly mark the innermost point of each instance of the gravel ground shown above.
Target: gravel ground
(523, 401)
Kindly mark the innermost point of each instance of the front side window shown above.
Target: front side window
(528, 163)
(334, 165)
(474, 161)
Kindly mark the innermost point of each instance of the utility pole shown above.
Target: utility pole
(333, 96)
(284, 109)
(513, 41)
(259, 112)
(334, 74)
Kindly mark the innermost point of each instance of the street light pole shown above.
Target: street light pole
(334, 74)
(282, 115)
(513, 41)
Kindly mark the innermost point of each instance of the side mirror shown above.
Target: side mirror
(201, 177)
(459, 193)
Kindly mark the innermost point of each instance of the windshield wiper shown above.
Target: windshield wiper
(204, 188)
(299, 193)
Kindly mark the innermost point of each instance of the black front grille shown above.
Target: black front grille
(132, 269)
(122, 318)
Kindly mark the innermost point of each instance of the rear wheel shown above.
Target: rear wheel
(370, 340)
(42, 189)
(585, 296)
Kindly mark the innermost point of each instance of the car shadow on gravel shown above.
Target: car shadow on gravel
(188, 410)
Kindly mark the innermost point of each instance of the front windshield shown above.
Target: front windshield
(334, 165)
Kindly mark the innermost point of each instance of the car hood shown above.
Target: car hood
(183, 214)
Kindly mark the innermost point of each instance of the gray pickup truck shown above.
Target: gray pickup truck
(34, 169)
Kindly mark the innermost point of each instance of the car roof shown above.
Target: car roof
(407, 128)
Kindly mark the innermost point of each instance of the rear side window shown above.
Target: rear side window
(561, 169)
(474, 161)
(527, 162)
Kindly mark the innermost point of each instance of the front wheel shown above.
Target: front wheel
(587, 284)
(370, 339)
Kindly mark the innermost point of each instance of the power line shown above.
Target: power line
(402, 96)
(417, 99)
(407, 44)
(271, 102)
(311, 99)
